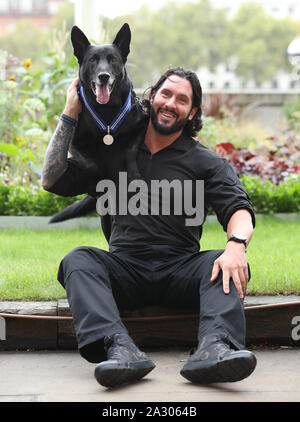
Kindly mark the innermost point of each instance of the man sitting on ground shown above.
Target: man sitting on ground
(153, 258)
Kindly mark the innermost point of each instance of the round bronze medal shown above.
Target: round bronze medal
(108, 139)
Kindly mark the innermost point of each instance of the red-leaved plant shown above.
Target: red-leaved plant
(269, 164)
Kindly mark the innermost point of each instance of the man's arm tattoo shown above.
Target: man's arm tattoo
(55, 163)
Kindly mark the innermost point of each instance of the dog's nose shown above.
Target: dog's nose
(103, 77)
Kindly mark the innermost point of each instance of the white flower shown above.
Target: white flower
(34, 132)
(34, 104)
(11, 84)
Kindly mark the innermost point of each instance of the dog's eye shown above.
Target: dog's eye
(92, 59)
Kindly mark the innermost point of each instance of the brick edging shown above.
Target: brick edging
(264, 325)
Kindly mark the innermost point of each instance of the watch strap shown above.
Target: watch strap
(233, 238)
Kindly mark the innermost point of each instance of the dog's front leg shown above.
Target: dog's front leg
(83, 161)
(131, 158)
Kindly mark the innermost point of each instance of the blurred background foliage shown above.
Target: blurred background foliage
(189, 34)
(196, 34)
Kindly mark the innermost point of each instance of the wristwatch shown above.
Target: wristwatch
(239, 238)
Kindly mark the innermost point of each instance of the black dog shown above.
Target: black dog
(109, 128)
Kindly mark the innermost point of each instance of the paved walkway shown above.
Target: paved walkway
(66, 377)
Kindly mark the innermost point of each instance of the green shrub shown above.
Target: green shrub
(20, 200)
(291, 111)
(4, 194)
(268, 198)
(31, 103)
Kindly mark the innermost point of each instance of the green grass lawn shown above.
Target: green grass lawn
(29, 259)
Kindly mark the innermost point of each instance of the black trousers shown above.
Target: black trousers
(100, 283)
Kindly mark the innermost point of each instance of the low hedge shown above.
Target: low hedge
(22, 201)
(266, 198)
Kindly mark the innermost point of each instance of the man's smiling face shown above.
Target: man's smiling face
(171, 105)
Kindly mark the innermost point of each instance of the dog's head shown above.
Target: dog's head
(101, 67)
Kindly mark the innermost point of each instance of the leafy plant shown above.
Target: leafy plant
(32, 103)
(268, 198)
(231, 128)
(220, 106)
(30, 200)
(292, 113)
(273, 165)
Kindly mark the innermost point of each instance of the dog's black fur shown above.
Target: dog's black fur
(106, 84)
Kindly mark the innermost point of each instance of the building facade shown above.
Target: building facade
(36, 12)
(223, 79)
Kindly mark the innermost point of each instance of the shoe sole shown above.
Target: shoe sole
(114, 373)
(231, 369)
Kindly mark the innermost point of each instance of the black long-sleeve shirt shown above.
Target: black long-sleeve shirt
(184, 160)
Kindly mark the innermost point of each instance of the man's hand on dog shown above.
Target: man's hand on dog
(73, 106)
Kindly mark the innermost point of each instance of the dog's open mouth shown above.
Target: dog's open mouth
(102, 92)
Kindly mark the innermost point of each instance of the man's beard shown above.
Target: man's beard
(164, 129)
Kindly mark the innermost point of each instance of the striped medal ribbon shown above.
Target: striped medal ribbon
(113, 126)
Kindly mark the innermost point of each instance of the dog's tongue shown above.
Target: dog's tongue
(102, 94)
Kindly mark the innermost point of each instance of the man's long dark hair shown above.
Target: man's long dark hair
(193, 126)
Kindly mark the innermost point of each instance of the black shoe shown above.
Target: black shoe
(214, 361)
(126, 363)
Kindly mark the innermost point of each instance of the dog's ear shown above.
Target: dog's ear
(80, 43)
(122, 41)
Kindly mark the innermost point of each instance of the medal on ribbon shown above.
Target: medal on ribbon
(108, 139)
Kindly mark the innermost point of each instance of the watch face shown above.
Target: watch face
(239, 236)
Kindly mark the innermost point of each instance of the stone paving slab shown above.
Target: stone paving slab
(268, 300)
(61, 307)
(29, 308)
(66, 377)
